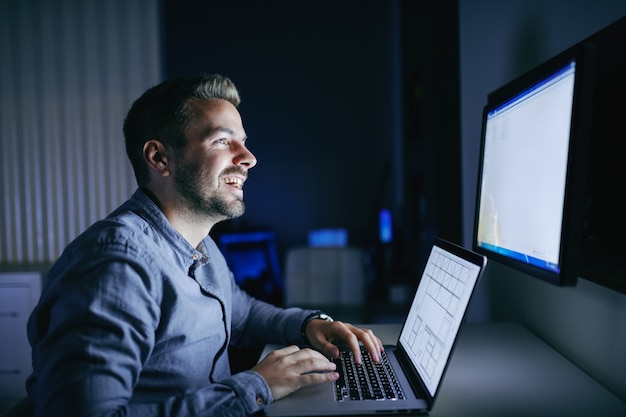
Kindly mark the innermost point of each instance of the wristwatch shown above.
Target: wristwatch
(313, 316)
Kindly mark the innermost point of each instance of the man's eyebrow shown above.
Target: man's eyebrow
(212, 130)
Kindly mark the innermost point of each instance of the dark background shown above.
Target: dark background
(349, 106)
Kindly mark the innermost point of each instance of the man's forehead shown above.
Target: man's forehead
(216, 115)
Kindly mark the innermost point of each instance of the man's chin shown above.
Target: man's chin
(234, 211)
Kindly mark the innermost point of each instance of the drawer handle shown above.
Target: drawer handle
(10, 372)
(8, 314)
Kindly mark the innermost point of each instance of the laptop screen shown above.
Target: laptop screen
(436, 313)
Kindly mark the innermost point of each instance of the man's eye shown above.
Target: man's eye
(222, 141)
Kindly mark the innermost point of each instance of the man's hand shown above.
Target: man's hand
(288, 369)
(324, 335)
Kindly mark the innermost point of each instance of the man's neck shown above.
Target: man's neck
(193, 227)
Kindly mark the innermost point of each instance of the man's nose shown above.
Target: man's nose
(245, 157)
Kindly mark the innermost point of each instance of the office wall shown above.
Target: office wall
(499, 41)
(70, 71)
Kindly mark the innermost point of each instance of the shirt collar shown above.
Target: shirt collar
(142, 205)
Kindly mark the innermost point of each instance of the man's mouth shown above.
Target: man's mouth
(234, 182)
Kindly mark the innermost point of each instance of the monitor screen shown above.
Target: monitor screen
(522, 196)
(253, 259)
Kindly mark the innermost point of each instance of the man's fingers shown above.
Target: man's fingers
(324, 335)
(303, 361)
(371, 343)
(318, 377)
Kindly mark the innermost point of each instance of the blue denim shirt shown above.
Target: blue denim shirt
(134, 321)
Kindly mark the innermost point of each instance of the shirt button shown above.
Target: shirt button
(259, 400)
(195, 256)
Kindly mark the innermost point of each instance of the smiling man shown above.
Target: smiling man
(137, 314)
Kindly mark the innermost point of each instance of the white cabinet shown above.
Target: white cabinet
(19, 292)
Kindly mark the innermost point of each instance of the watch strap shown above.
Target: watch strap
(317, 315)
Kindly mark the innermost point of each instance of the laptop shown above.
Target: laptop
(420, 357)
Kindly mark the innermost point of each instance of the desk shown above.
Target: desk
(504, 370)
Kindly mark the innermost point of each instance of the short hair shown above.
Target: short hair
(163, 112)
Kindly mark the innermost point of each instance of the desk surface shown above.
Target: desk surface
(504, 370)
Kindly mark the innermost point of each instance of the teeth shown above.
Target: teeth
(236, 182)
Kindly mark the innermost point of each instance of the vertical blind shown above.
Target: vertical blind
(69, 71)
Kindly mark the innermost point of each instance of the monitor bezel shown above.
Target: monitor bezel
(574, 196)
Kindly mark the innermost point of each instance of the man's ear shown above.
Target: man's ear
(157, 157)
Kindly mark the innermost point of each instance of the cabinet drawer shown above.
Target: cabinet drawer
(15, 307)
(15, 366)
(19, 292)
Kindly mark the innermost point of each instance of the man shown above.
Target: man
(137, 314)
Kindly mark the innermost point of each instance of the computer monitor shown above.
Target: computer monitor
(252, 257)
(529, 198)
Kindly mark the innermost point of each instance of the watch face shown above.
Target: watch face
(326, 317)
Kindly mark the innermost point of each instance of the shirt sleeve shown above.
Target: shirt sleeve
(260, 323)
(243, 394)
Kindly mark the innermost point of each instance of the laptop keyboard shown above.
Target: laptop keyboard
(369, 381)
